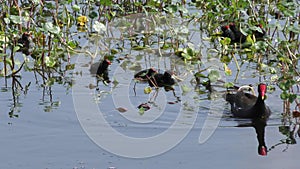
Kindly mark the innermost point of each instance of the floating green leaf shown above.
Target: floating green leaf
(76, 8)
(52, 28)
(185, 89)
(141, 111)
(225, 41)
(93, 15)
(213, 75)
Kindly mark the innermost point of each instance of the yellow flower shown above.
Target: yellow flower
(147, 90)
(82, 20)
(227, 70)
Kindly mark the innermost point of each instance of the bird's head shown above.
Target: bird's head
(152, 70)
(108, 61)
(224, 28)
(262, 89)
(232, 25)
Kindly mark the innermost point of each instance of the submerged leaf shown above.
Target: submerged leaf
(213, 75)
(228, 84)
(185, 89)
(121, 109)
(92, 86)
(201, 75)
(115, 82)
(139, 48)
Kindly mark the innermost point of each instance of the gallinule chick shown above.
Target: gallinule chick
(145, 75)
(26, 43)
(162, 80)
(239, 36)
(227, 32)
(101, 70)
(245, 105)
(103, 67)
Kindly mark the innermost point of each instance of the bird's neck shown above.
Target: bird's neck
(260, 107)
(260, 102)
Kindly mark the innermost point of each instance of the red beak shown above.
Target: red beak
(109, 63)
(262, 95)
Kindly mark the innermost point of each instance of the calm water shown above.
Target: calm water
(55, 139)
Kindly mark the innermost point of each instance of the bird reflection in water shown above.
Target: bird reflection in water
(259, 124)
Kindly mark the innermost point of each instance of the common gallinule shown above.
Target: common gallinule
(239, 36)
(103, 67)
(145, 75)
(259, 34)
(245, 105)
(26, 43)
(227, 32)
(162, 80)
